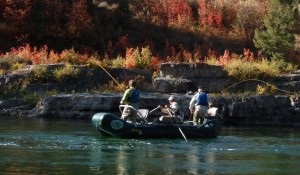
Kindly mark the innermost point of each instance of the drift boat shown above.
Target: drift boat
(110, 125)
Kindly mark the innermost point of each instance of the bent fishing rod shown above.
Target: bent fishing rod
(97, 62)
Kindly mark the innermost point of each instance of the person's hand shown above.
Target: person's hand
(192, 111)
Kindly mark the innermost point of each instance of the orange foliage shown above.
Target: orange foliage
(248, 56)
(73, 57)
(187, 56)
(44, 56)
(158, 11)
(130, 61)
(212, 53)
(170, 12)
(179, 12)
(209, 15)
(36, 56)
(155, 63)
(225, 58)
(54, 57)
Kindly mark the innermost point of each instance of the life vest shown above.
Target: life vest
(135, 96)
(202, 99)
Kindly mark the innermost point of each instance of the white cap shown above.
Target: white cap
(200, 88)
(171, 98)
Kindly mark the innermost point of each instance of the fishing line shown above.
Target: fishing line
(257, 81)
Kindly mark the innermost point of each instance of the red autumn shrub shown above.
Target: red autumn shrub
(79, 20)
(223, 60)
(179, 13)
(248, 55)
(210, 15)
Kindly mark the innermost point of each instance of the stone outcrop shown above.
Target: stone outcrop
(264, 110)
(86, 79)
(270, 110)
(182, 78)
(84, 105)
(179, 80)
(186, 77)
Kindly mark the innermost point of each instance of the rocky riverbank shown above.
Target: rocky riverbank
(176, 79)
(250, 110)
(270, 110)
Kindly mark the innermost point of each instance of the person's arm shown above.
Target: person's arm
(209, 100)
(193, 102)
(125, 97)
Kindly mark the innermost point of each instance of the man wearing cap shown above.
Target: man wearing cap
(172, 109)
(199, 105)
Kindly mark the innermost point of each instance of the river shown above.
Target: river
(67, 146)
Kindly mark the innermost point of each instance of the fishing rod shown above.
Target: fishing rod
(97, 62)
(261, 81)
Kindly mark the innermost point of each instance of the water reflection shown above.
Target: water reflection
(74, 147)
(154, 156)
(225, 155)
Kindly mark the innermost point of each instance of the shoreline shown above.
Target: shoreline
(247, 110)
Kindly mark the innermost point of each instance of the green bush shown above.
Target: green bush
(30, 99)
(118, 62)
(143, 58)
(11, 62)
(62, 74)
(40, 74)
(243, 70)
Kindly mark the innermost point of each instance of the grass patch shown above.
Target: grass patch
(10, 62)
(243, 70)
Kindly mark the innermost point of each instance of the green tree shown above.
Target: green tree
(276, 38)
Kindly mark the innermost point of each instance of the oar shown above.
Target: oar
(177, 124)
(154, 109)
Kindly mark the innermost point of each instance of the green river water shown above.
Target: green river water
(56, 146)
